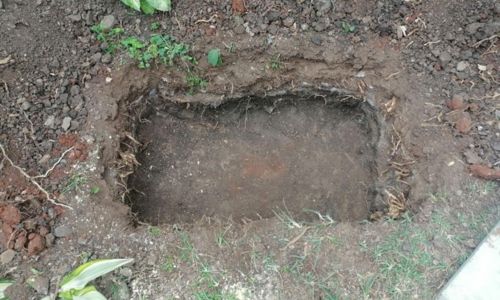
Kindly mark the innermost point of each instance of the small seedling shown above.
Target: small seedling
(155, 26)
(110, 38)
(74, 183)
(154, 231)
(275, 63)
(195, 82)
(214, 57)
(149, 6)
(347, 27)
(94, 190)
(168, 265)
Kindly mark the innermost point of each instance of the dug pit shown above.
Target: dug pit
(255, 157)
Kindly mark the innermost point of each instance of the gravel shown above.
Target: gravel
(66, 123)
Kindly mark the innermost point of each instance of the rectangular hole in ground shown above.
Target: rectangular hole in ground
(252, 158)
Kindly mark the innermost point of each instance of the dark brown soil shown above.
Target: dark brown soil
(256, 158)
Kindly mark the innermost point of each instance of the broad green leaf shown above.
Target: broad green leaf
(4, 284)
(214, 57)
(88, 293)
(78, 278)
(146, 8)
(161, 5)
(135, 4)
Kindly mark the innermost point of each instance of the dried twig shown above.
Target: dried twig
(484, 40)
(295, 239)
(32, 179)
(54, 165)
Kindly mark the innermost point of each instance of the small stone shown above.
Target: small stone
(238, 6)
(49, 239)
(457, 102)
(36, 244)
(495, 145)
(126, 272)
(26, 105)
(461, 66)
(39, 283)
(316, 40)
(497, 114)
(473, 28)
(106, 58)
(62, 231)
(7, 256)
(464, 123)
(96, 58)
(66, 123)
(75, 90)
(322, 6)
(10, 215)
(1, 4)
(288, 22)
(445, 57)
(50, 122)
(471, 157)
(75, 18)
(45, 159)
(108, 22)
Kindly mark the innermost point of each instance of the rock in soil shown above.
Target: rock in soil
(464, 123)
(1, 4)
(62, 231)
(457, 102)
(484, 172)
(36, 244)
(10, 215)
(39, 283)
(461, 66)
(108, 22)
(238, 6)
(7, 256)
(66, 123)
(471, 157)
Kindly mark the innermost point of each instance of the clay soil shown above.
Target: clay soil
(342, 150)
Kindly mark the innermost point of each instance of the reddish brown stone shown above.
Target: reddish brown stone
(464, 123)
(484, 172)
(457, 102)
(239, 6)
(10, 214)
(43, 230)
(36, 245)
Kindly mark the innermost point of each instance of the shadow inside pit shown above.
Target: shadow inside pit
(253, 158)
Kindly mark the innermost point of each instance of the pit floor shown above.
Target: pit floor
(252, 160)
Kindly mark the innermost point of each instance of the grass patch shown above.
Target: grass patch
(74, 183)
(403, 259)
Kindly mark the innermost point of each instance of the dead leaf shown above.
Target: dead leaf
(5, 60)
